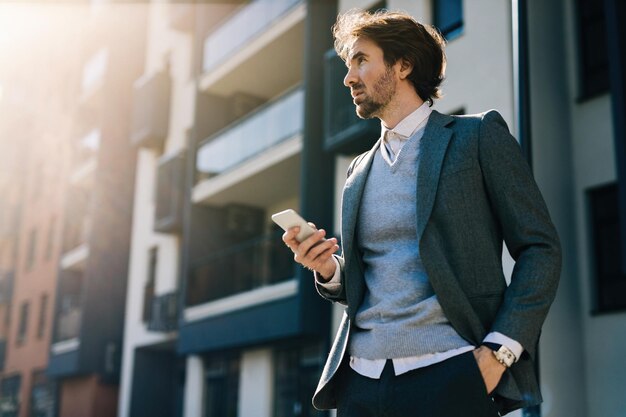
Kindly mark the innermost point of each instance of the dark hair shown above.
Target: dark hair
(400, 37)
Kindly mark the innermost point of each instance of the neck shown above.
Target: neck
(401, 107)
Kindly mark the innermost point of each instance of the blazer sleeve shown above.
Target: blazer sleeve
(528, 232)
(338, 296)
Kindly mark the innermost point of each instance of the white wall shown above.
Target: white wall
(256, 383)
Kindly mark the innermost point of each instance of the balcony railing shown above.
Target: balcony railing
(68, 324)
(164, 316)
(271, 124)
(245, 25)
(244, 267)
(76, 232)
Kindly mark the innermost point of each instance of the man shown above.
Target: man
(430, 328)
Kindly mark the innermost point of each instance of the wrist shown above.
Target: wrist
(327, 272)
(501, 353)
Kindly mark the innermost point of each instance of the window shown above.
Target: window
(23, 324)
(50, 240)
(297, 372)
(41, 327)
(10, 396)
(610, 281)
(148, 294)
(592, 48)
(32, 250)
(42, 396)
(448, 17)
(222, 387)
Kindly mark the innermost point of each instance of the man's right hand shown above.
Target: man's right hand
(315, 252)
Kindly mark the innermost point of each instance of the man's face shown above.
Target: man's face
(372, 83)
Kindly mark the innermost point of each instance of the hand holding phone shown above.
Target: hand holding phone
(287, 219)
(316, 256)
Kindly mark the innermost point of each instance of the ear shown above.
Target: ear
(405, 68)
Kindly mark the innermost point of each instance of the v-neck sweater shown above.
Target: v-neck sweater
(400, 315)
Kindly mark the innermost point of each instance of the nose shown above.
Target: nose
(350, 77)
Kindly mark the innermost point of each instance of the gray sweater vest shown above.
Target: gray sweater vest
(400, 315)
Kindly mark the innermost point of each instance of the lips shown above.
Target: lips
(356, 94)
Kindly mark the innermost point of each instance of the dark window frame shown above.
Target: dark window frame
(450, 28)
(609, 283)
(222, 378)
(593, 58)
(148, 294)
(22, 328)
(43, 309)
(31, 253)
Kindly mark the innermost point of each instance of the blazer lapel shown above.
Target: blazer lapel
(433, 148)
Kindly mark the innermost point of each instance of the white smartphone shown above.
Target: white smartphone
(288, 219)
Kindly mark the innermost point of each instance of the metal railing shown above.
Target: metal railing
(273, 123)
(68, 324)
(249, 265)
(245, 25)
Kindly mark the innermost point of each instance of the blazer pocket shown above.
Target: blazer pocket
(458, 168)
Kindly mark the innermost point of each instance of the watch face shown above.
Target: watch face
(505, 356)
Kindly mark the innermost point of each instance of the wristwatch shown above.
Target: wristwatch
(503, 354)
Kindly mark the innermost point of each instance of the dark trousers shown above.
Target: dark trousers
(452, 388)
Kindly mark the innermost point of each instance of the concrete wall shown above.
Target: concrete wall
(165, 48)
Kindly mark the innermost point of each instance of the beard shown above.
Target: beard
(382, 93)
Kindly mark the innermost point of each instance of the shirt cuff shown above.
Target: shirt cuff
(333, 286)
(500, 339)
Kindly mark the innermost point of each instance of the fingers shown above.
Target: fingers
(314, 251)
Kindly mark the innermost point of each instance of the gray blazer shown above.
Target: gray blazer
(475, 191)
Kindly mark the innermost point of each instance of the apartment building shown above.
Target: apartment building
(179, 148)
(11, 186)
(85, 350)
(35, 132)
(213, 296)
(239, 112)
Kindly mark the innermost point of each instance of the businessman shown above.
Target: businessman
(431, 327)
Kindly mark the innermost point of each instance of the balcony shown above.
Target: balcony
(164, 315)
(85, 159)
(253, 264)
(261, 149)
(69, 311)
(170, 194)
(6, 286)
(76, 232)
(251, 45)
(151, 110)
(68, 324)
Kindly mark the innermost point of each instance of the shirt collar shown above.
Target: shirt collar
(407, 126)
